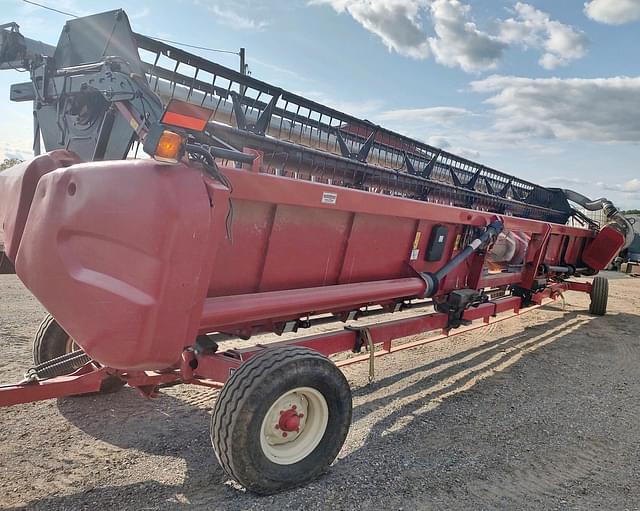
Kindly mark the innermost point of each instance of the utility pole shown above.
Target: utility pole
(243, 69)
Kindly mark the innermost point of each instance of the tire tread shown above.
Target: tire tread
(234, 393)
(599, 296)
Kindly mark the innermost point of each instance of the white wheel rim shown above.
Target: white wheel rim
(294, 425)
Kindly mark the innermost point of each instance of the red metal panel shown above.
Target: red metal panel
(239, 262)
(17, 188)
(305, 248)
(274, 189)
(601, 251)
(535, 255)
(379, 247)
(574, 251)
(120, 253)
(553, 250)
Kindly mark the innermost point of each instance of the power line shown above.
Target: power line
(50, 8)
(193, 46)
(156, 38)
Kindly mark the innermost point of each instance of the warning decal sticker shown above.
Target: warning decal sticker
(329, 198)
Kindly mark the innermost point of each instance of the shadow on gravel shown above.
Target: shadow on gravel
(169, 426)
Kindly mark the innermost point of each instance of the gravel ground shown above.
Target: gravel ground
(537, 412)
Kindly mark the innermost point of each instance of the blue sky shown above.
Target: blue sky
(547, 90)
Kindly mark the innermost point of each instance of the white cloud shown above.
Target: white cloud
(458, 40)
(631, 186)
(598, 109)
(362, 108)
(444, 127)
(437, 114)
(533, 28)
(447, 30)
(232, 19)
(18, 149)
(613, 12)
(396, 22)
(141, 14)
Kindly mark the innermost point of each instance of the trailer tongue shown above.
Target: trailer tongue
(259, 211)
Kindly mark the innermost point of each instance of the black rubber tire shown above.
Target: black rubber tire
(599, 296)
(245, 400)
(52, 341)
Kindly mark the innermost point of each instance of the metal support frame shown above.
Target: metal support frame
(213, 369)
(345, 143)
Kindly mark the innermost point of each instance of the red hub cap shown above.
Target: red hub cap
(290, 420)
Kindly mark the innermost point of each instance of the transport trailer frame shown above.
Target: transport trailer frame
(199, 366)
(261, 211)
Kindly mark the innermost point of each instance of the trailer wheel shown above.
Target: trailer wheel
(281, 419)
(599, 296)
(51, 341)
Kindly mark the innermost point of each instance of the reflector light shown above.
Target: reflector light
(169, 148)
(185, 115)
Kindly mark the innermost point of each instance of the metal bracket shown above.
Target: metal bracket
(363, 153)
(471, 184)
(364, 334)
(457, 302)
(262, 123)
(205, 345)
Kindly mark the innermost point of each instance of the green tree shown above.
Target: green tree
(9, 162)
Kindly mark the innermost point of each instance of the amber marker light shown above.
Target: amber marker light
(169, 148)
(164, 145)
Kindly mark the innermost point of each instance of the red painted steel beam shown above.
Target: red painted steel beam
(499, 279)
(343, 340)
(268, 188)
(214, 370)
(78, 383)
(584, 287)
(220, 366)
(224, 313)
(554, 290)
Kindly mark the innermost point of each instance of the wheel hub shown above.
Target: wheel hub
(288, 419)
(294, 425)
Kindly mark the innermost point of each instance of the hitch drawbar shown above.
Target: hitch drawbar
(432, 280)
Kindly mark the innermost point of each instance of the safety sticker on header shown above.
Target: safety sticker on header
(329, 198)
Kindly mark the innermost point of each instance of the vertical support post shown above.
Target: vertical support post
(36, 133)
(537, 248)
(243, 68)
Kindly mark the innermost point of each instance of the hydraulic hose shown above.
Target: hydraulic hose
(432, 280)
(612, 213)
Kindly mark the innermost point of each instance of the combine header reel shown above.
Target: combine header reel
(258, 211)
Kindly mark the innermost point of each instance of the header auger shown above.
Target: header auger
(258, 211)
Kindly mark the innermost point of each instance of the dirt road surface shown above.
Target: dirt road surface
(537, 412)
